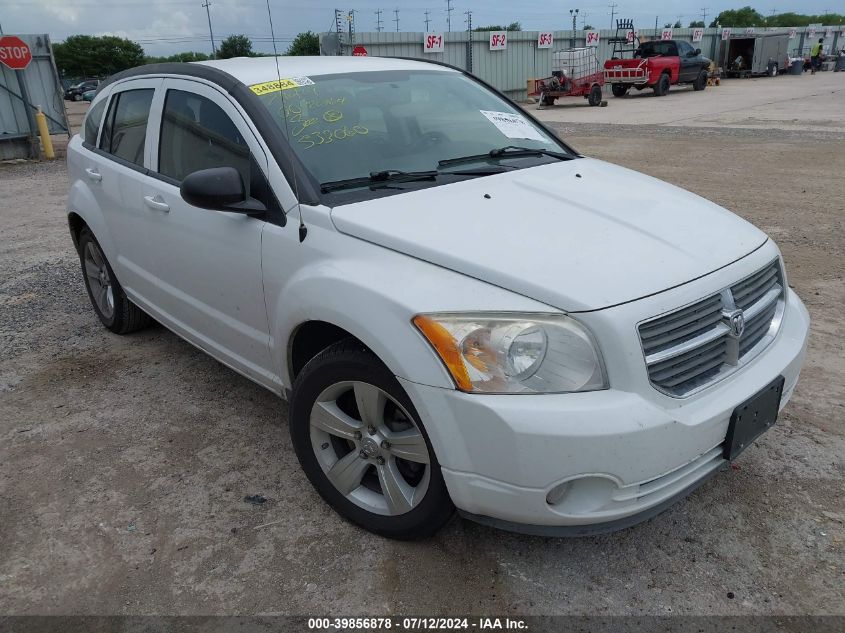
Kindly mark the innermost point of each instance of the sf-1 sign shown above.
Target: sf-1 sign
(433, 43)
(498, 40)
(14, 52)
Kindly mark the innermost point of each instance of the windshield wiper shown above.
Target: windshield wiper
(378, 178)
(510, 151)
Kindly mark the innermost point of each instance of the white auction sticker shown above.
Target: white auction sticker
(513, 125)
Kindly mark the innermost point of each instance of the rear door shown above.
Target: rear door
(122, 151)
(207, 263)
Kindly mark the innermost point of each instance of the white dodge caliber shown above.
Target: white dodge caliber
(462, 310)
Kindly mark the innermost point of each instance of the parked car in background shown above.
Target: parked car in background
(658, 65)
(88, 95)
(462, 310)
(77, 92)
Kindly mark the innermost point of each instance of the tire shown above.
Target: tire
(594, 97)
(700, 82)
(773, 70)
(548, 101)
(111, 304)
(661, 88)
(619, 90)
(329, 436)
(77, 97)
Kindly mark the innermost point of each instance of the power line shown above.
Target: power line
(379, 27)
(612, 12)
(207, 6)
(396, 19)
(449, 9)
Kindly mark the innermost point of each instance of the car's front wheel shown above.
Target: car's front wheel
(77, 97)
(362, 445)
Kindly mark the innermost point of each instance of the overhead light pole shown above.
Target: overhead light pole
(574, 14)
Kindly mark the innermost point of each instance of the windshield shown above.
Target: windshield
(356, 124)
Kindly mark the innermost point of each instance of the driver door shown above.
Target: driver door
(207, 263)
(690, 62)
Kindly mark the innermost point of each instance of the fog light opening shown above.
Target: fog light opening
(557, 493)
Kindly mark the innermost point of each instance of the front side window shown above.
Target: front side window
(685, 48)
(351, 125)
(92, 122)
(197, 134)
(126, 125)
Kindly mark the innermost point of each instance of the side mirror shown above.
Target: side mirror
(219, 189)
(698, 51)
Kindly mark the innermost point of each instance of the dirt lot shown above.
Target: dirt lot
(124, 461)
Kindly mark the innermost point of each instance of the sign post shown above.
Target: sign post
(15, 54)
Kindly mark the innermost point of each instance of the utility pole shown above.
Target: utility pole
(396, 18)
(655, 25)
(574, 14)
(427, 19)
(612, 12)
(704, 16)
(350, 18)
(449, 10)
(379, 27)
(469, 40)
(210, 32)
(584, 15)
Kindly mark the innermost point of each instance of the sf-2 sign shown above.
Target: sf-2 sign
(14, 52)
(498, 40)
(433, 43)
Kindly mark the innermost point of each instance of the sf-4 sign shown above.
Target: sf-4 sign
(433, 43)
(14, 52)
(498, 40)
(545, 40)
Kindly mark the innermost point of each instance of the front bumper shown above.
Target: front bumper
(621, 456)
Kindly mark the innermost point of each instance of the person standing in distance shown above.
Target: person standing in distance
(816, 56)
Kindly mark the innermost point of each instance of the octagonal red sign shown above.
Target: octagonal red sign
(14, 52)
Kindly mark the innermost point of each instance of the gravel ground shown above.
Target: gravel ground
(124, 461)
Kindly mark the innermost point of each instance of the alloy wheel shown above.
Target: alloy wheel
(99, 279)
(370, 448)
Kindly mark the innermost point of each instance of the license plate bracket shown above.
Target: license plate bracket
(752, 418)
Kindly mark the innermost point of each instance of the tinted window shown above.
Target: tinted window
(685, 48)
(196, 134)
(126, 125)
(92, 122)
(653, 49)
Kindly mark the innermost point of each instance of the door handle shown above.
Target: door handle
(93, 174)
(155, 202)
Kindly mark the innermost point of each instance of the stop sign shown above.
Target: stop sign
(359, 51)
(14, 52)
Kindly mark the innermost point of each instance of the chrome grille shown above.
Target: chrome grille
(689, 348)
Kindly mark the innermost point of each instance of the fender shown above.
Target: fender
(371, 292)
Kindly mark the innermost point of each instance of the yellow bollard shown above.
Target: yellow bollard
(46, 141)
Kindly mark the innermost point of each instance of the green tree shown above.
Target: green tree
(513, 26)
(188, 56)
(92, 56)
(307, 43)
(746, 16)
(235, 46)
(695, 24)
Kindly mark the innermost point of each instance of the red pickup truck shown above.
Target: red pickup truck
(657, 65)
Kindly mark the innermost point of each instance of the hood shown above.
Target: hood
(577, 235)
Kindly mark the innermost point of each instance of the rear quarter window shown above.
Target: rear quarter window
(92, 122)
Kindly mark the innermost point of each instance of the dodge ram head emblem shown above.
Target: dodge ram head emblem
(736, 321)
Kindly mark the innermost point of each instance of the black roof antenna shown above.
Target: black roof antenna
(303, 230)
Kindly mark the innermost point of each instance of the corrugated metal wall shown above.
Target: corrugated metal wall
(509, 69)
(42, 82)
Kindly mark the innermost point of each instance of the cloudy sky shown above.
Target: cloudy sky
(169, 26)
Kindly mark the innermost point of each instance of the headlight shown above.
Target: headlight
(515, 353)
